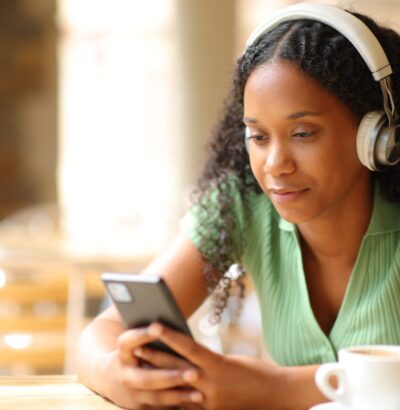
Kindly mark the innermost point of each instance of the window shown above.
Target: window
(116, 157)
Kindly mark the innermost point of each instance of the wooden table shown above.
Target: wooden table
(49, 392)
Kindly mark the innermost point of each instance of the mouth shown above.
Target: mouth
(286, 195)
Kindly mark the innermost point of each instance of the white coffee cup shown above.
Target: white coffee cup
(368, 378)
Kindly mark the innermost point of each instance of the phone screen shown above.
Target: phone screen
(143, 299)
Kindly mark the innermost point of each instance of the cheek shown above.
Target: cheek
(337, 153)
(342, 158)
(341, 145)
(335, 170)
(257, 167)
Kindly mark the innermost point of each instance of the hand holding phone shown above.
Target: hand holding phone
(143, 299)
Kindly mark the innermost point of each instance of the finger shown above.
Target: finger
(171, 397)
(152, 379)
(183, 345)
(130, 340)
(161, 359)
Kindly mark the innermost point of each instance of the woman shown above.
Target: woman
(313, 227)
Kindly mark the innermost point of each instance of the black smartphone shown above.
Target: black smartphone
(143, 299)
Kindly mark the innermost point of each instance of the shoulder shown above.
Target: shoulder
(227, 195)
(221, 215)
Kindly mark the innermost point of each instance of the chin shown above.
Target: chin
(295, 216)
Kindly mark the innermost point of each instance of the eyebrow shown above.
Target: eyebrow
(300, 114)
(293, 116)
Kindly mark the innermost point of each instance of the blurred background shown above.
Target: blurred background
(106, 107)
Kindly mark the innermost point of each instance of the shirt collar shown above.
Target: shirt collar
(385, 216)
(285, 225)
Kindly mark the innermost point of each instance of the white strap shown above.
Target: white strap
(350, 26)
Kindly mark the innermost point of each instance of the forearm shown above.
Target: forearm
(97, 340)
(269, 386)
(297, 389)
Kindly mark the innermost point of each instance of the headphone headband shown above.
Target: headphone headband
(350, 26)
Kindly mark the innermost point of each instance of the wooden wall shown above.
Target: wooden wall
(28, 103)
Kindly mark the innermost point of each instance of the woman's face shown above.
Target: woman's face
(302, 144)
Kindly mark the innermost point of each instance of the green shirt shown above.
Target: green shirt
(370, 311)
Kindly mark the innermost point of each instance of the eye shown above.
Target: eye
(304, 134)
(258, 138)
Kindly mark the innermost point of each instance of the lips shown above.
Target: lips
(284, 190)
(287, 194)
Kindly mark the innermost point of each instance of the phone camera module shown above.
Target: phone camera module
(119, 292)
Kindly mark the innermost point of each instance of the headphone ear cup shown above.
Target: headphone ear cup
(368, 133)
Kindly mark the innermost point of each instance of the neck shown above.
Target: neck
(338, 233)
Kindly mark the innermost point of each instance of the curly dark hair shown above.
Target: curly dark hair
(329, 58)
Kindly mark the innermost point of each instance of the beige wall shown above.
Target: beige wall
(205, 38)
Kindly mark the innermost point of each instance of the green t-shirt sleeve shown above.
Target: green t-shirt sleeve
(190, 225)
(205, 227)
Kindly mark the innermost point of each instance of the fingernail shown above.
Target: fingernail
(196, 397)
(140, 331)
(138, 352)
(154, 329)
(190, 376)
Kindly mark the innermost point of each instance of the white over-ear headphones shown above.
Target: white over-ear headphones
(377, 145)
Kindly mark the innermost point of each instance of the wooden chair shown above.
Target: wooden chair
(36, 294)
(45, 292)
(33, 319)
(34, 316)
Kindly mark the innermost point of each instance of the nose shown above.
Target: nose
(279, 160)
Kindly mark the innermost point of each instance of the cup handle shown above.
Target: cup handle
(322, 377)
